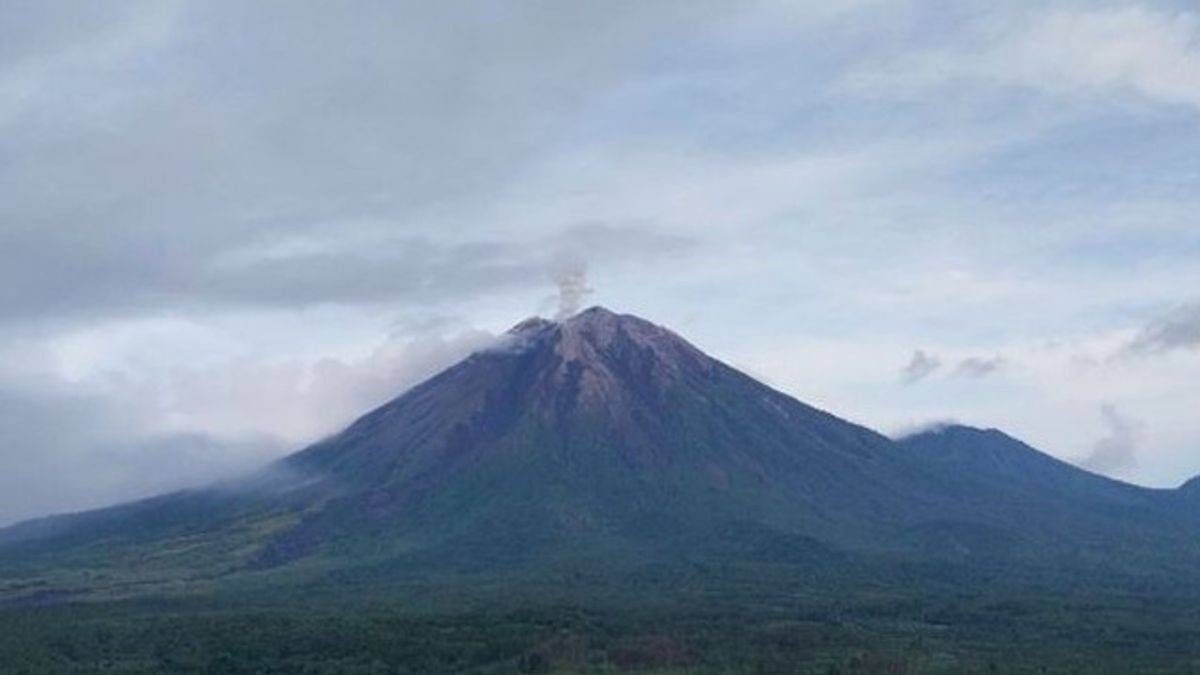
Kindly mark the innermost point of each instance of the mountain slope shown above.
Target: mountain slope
(608, 444)
(991, 458)
(1084, 517)
(1188, 496)
(604, 428)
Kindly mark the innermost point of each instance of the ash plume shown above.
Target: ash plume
(570, 273)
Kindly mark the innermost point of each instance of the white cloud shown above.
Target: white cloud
(1155, 54)
(1068, 52)
(298, 401)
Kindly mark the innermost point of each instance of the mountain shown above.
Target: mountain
(1189, 494)
(988, 461)
(607, 445)
(1056, 506)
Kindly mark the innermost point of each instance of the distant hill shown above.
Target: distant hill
(607, 447)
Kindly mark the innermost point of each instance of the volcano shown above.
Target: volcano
(607, 445)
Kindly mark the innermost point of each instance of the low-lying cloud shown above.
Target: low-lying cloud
(927, 427)
(70, 445)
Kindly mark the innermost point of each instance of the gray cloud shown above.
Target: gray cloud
(63, 448)
(921, 366)
(976, 367)
(1116, 452)
(1177, 329)
(146, 124)
(67, 445)
(297, 274)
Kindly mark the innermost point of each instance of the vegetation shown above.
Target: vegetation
(629, 631)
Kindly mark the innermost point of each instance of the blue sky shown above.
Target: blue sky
(225, 229)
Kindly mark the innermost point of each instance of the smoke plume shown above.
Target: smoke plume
(1116, 452)
(570, 273)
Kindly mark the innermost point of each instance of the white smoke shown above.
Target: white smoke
(1116, 452)
(570, 273)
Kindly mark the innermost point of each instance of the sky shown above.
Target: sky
(228, 228)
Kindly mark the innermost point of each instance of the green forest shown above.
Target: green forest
(892, 633)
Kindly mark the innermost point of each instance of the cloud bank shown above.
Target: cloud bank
(70, 445)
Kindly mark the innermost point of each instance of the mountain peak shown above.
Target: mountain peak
(593, 316)
(598, 331)
(975, 447)
(597, 360)
(595, 313)
(593, 319)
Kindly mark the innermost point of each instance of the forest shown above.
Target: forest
(884, 633)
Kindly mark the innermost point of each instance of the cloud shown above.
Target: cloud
(976, 367)
(69, 445)
(65, 447)
(1153, 53)
(1179, 329)
(1065, 51)
(298, 401)
(1116, 452)
(157, 171)
(910, 429)
(295, 272)
(921, 366)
